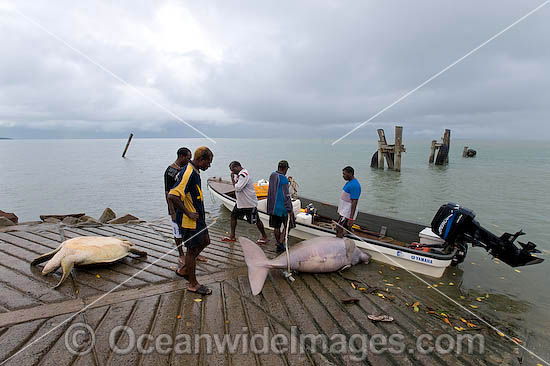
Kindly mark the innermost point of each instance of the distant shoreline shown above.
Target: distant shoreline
(459, 140)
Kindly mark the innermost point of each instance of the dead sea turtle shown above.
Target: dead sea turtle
(84, 250)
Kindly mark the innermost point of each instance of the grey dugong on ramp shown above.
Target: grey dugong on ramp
(84, 250)
(317, 255)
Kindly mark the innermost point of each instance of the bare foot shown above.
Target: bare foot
(182, 272)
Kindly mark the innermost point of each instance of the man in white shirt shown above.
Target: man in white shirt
(247, 202)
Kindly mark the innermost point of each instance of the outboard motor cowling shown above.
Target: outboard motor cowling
(457, 226)
(451, 220)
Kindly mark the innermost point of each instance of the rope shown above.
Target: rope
(286, 242)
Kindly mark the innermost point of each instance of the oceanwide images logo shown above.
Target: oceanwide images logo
(80, 340)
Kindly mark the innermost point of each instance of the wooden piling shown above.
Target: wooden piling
(398, 147)
(432, 151)
(391, 153)
(127, 145)
(380, 155)
(442, 157)
(447, 142)
(382, 143)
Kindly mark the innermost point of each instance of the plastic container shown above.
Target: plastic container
(304, 218)
(261, 191)
(262, 205)
(296, 206)
(427, 236)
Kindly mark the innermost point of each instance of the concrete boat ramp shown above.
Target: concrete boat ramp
(81, 323)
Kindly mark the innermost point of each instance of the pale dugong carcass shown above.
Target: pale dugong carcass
(317, 255)
(84, 250)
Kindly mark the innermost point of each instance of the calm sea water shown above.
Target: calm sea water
(507, 185)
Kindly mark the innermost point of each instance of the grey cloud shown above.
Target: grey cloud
(325, 64)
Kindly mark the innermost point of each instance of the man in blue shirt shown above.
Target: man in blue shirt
(347, 208)
(279, 204)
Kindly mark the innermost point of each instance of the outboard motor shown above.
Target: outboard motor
(456, 225)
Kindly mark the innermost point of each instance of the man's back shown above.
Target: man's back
(278, 195)
(244, 190)
(170, 175)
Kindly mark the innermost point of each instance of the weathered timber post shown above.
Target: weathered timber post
(398, 147)
(432, 151)
(380, 155)
(392, 153)
(127, 145)
(383, 150)
(443, 153)
(447, 142)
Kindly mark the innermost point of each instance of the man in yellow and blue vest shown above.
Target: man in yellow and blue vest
(187, 196)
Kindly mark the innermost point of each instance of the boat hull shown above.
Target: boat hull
(400, 257)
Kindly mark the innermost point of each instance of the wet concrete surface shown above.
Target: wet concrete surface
(39, 325)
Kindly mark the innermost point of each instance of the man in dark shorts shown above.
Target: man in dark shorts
(279, 204)
(347, 208)
(247, 202)
(183, 157)
(187, 197)
(170, 175)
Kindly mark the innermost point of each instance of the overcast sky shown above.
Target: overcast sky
(259, 68)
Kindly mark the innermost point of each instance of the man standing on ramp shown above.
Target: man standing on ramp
(247, 202)
(279, 204)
